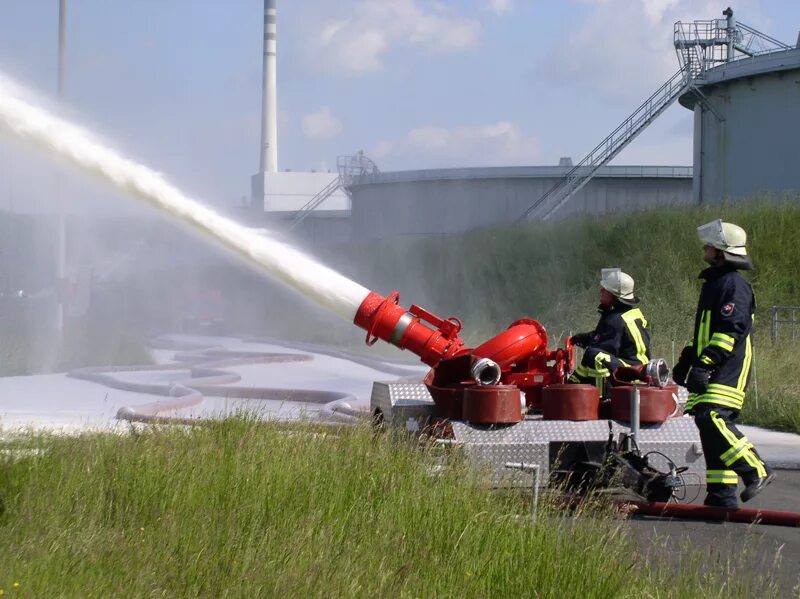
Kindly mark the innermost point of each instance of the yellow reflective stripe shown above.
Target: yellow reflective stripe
(740, 451)
(630, 317)
(587, 371)
(723, 337)
(715, 399)
(734, 453)
(706, 360)
(730, 437)
(751, 459)
(748, 358)
(703, 332)
(720, 389)
(723, 341)
(600, 360)
(735, 449)
(590, 373)
(724, 477)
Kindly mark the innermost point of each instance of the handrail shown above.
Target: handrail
(611, 145)
(312, 204)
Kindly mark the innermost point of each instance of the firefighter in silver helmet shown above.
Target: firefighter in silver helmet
(715, 366)
(620, 338)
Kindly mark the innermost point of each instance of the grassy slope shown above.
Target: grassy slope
(238, 509)
(551, 271)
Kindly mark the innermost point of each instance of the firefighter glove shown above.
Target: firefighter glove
(582, 339)
(697, 381)
(681, 369)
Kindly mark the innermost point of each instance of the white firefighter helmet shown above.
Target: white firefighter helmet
(618, 284)
(727, 237)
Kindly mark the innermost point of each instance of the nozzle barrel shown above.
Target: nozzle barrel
(383, 318)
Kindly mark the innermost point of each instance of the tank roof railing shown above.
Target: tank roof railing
(702, 45)
(353, 168)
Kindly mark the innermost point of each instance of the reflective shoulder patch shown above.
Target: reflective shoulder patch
(727, 309)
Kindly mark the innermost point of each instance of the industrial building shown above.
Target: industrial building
(428, 202)
(747, 127)
(743, 86)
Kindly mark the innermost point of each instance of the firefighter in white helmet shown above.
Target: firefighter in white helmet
(715, 366)
(620, 338)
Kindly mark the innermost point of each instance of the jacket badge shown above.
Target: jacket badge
(727, 309)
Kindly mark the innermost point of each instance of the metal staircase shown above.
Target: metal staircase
(322, 195)
(350, 168)
(700, 45)
(612, 145)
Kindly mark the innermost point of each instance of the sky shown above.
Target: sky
(415, 84)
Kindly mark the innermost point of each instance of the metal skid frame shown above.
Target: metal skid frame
(534, 440)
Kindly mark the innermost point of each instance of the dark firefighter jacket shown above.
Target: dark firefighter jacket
(620, 339)
(722, 336)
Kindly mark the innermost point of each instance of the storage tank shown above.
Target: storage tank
(747, 127)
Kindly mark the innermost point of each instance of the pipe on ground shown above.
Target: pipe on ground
(702, 512)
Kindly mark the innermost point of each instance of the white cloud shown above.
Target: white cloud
(623, 48)
(321, 124)
(500, 7)
(358, 45)
(495, 144)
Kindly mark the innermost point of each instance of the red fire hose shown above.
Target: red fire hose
(702, 512)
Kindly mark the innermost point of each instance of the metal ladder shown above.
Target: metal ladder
(700, 45)
(322, 195)
(612, 145)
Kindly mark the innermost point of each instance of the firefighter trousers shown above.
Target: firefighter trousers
(729, 454)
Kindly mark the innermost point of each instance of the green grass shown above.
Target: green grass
(240, 509)
(550, 271)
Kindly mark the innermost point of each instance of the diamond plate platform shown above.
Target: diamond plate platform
(534, 440)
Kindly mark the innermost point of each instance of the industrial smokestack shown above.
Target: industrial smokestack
(269, 110)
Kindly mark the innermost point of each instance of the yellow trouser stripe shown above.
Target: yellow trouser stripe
(591, 372)
(751, 459)
(735, 449)
(742, 445)
(723, 428)
(724, 477)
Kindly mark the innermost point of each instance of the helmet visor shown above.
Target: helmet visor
(712, 234)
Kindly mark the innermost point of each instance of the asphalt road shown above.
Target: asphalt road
(753, 549)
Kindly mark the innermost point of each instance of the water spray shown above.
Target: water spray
(484, 384)
(283, 262)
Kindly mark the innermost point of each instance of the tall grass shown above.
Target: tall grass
(550, 271)
(240, 509)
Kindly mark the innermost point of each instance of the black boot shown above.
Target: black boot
(755, 487)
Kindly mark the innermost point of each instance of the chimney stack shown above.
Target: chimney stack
(269, 110)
